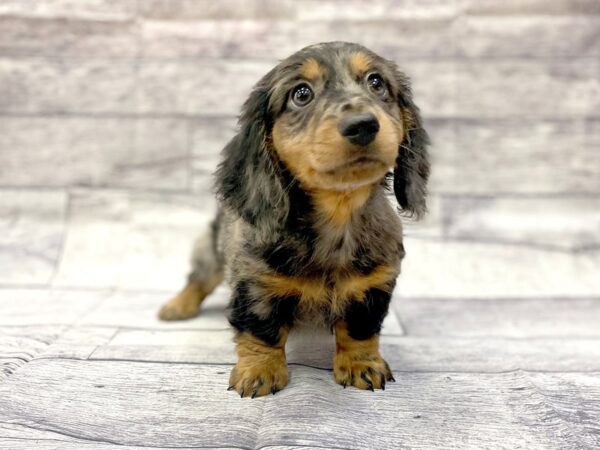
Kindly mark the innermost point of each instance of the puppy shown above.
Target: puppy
(305, 231)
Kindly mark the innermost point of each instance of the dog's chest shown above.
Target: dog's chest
(335, 250)
(344, 270)
(326, 298)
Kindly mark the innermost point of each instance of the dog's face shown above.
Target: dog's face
(338, 124)
(337, 117)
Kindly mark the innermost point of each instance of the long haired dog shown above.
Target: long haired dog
(305, 231)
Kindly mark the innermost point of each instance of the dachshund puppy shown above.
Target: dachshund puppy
(305, 231)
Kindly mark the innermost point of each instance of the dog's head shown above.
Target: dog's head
(333, 117)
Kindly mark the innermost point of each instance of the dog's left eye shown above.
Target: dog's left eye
(302, 95)
(376, 84)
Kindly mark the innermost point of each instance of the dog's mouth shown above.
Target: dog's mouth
(357, 163)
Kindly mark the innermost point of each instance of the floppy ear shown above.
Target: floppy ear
(248, 178)
(412, 164)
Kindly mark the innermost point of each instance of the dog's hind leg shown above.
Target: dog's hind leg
(205, 276)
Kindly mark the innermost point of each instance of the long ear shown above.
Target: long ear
(248, 179)
(412, 164)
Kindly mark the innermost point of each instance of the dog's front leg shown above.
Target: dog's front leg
(358, 363)
(262, 321)
(357, 360)
(261, 368)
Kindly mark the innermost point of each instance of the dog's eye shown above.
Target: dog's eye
(302, 95)
(376, 84)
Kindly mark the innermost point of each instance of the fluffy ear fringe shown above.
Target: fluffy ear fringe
(412, 164)
(248, 179)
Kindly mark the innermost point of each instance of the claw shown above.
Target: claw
(383, 385)
(254, 392)
(390, 377)
(231, 388)
(344, 384)
(242, 393)
(369, 382)
(273, 390)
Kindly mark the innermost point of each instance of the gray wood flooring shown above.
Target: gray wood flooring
(112, 114)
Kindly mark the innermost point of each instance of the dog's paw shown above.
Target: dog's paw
(255, 380)
(178, 308)
(367, 373)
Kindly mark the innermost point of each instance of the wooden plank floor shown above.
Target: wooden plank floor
(112, 115)
(85, 362)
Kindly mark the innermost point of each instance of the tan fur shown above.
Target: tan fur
(407, 118)
(316, 293)
(261, 369)
(354, 287)
(360, 63)
(308, 289)
(312, 70)
(390, 130)
(186, 304)
(318, 157)
(338, 207)
(359, 363)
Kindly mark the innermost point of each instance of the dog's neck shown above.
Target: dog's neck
(337, 220)
(336, 209)
(331, 227)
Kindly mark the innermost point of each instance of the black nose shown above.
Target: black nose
(360, 129)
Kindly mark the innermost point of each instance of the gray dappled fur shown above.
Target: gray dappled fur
(251, 181)
(267, 223)
(248, 179)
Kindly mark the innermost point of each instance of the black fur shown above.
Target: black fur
(243, 320)
(288, 259)
(364, 318)
(364, 262)
(412, 165)
(215, 230)
(291, 252)
(248, 179)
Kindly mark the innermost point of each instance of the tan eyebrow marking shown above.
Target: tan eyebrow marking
(359, 63)
(312, 70)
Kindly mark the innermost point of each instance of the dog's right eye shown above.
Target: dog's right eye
(302, 95)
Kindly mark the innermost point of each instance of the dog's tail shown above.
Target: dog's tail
(207, 264)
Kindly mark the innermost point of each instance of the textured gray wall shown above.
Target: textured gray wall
(142, 94)
(113, 113)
